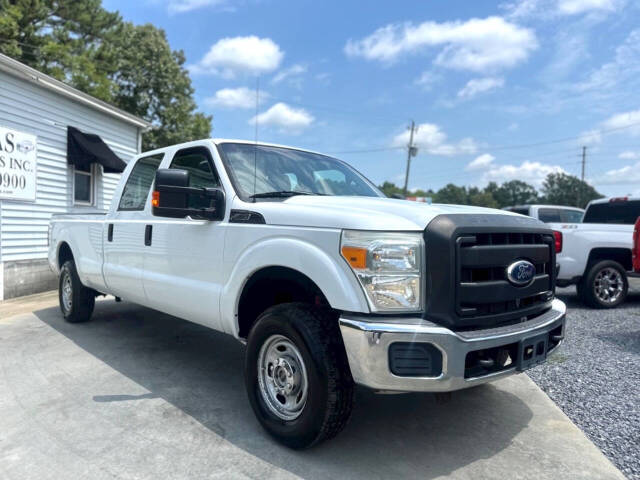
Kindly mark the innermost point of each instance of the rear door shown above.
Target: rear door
(183, 262)
(124, 233)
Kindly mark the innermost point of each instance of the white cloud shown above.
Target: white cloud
(479, 85)
(427, 80)
(240, 97)
(627, 121)
(625, 175)
(476, 44)
(624, 67)
(572, 7)
(554, 8)
(481, 162)
(229, 57)
(590, 137)
(430, 139)
(282, 116)
(292, 71)
(629, 155)
(182, 6)
(530, 172)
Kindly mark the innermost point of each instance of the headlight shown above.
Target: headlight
(388, 266)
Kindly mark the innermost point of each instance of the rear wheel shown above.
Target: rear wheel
(76, 300)
(605, 285)
(297, 375)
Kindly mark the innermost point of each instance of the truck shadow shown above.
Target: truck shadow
(199, 371)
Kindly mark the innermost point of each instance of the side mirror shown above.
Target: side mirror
(174, 198)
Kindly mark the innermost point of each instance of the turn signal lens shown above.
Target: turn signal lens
(357, 257)
(155, 199)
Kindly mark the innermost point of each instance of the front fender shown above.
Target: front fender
(331, 274)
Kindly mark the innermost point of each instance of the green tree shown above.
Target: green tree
(514, 192)
(564, 189)
(153, 83)
(452, 194)
(130, 66)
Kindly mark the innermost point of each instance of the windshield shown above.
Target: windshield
(258, 170)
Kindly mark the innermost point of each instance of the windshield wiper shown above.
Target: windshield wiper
(281, 194)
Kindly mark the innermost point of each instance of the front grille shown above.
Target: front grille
(482, 287)
(467, 256)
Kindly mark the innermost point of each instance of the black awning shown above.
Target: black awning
(83, 149)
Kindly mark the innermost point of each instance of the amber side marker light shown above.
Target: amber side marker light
(155, 199)
(357, 257)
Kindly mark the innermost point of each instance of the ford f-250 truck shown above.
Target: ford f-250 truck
(329, 283)
(596, 254)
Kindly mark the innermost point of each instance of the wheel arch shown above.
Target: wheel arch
(300, 262)
(617, 254)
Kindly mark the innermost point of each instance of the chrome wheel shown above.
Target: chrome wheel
(608, 286)
(282, 377)
(67, 292)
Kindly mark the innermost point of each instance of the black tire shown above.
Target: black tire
(588, 292)
(315, 333)
(81, 300)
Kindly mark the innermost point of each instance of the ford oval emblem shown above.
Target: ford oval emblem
(521, 273)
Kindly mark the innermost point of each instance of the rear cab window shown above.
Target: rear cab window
(615, 212)
(549, 215)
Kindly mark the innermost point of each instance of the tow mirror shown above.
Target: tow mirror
(174, 198)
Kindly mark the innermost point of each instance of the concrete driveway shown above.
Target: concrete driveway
(138, 394)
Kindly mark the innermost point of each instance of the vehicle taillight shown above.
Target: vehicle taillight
(558, 238)
(635, 253)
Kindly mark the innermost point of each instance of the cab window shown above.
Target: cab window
(197, 162)
(136, 190)
(549, 215)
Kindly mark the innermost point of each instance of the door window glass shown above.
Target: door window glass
(549, 215)
(571, 216)
(196, 162)
(136, 190)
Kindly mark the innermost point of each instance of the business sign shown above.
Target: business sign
(17, 165)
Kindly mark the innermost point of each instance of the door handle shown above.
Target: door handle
(110, 233)
(148, 231)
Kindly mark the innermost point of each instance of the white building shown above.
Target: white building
(37, 178)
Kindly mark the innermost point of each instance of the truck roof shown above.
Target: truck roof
(218, 141)
(614, 199)
(542, 205)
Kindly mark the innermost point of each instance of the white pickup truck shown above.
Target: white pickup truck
(595, 254)
(329, 283)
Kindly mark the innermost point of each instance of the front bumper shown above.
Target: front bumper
(367, 342)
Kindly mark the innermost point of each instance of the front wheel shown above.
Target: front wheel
(605, 285)
(297, 375)
(76, 300)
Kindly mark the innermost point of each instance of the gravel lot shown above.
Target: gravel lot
(595, 377)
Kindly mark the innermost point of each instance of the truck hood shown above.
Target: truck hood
(360, 213)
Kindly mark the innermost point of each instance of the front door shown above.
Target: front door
(183, 263)
(124, 234)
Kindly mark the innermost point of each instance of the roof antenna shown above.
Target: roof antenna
(255, 146)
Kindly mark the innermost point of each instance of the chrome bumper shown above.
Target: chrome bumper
(367, 342)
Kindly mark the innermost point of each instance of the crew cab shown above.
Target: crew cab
(329, 283)
(596, 254)
(549, 213)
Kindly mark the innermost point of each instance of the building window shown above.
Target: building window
(83, 185)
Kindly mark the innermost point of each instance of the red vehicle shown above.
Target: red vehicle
(635, 252)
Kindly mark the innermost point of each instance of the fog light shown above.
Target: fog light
(415, 359)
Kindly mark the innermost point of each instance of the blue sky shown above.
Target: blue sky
(500, 90)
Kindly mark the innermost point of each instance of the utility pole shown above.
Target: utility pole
(584, 161)
(411, 152)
